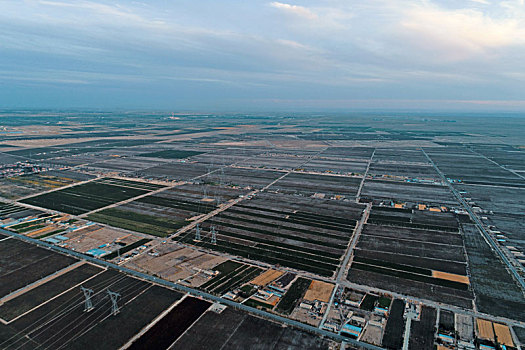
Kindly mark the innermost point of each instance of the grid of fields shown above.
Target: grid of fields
(426, 262)
(309, 184)
(91, 195)
(10, 210)
(25, 185)
(471, 168)
(22, 264)
(398, 191)
(231, 275)
(164, 213)
(297, 232)
(232, 329)
(51, 313)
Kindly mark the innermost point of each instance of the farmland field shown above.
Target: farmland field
(22, 263)
(164, 213)
(40, 294)
(90, 196)
(311, 239)
(413, 260)
(232, 329)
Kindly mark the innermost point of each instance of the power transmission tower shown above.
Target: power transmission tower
(197, 233)
(213, 235)
(114, 306)
(88, 305)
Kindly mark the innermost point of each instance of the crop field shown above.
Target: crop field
(20, 186)
(395, 326)
(52, 313)
(90, 196)
(242, 177)
(388, 190)
(505, 207)
(293, 295)
(420, 262)
(334, 165)
(349, 152)
(45, 153)
(175, 171)
(422, 331)
(233, 329)
(63, 321)
(410, 218)
(22, 264)
(403, 155)
(164, 213)
(474, 169)
(171, 154)
(404, 171)
(172, 326)
(14, 211)
(274, 161)
(309, 184)
(122, 165)
(36, 296)
(231, 275)
(302, 233)
(510, 157)
(496, 291)
(223, 159)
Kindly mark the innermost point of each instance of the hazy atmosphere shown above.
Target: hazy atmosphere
(263, 55)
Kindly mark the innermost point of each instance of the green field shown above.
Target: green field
(84, 198)
(171, 154)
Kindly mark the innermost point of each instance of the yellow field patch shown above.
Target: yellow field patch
(503, 334)
(450, 276)
(42, 230)
(485, 330)
(319, 290)
(266, 277)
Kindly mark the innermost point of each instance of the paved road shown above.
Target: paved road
(358, 195)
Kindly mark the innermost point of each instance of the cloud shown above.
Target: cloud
(460, 34)
(483, 2)
(295, 10)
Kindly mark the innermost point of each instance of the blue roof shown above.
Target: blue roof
(96, 252)
(62, 238)
(52, 240)
(353, 328)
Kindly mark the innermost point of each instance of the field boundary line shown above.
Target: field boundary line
(361, 185)
(43, 280)
(57, 189)
(152, 323)
(56, 296)
(189, 327)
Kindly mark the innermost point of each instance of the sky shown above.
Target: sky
(255, 55)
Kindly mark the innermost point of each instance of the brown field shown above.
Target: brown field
(319, 290)
(43, 230)
(266, 277)
(485, 330)
(503, 334)
(450, 277)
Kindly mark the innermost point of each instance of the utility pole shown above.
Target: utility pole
(114, 306)
(88, 304)
(197, 233)
(213, 235)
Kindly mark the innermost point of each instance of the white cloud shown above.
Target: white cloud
(295, 9)
(462, 33)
